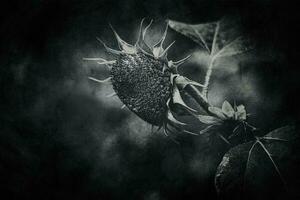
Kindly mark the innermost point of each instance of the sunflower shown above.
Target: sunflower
(147, 82)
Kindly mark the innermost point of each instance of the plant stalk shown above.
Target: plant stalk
(207, 76)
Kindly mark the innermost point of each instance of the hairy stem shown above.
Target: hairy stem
(207, 76)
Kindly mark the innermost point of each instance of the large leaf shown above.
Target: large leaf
(221, 38)
(262, 169)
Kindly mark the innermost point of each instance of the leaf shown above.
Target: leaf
(237, 46)
(220, 39)
(261, 169)
(199, 33)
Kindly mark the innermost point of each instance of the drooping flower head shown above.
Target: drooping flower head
(145, 80)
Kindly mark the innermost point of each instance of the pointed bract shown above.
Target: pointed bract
(124, 46)
(161, 41)
(107, 62)
(180, 62)
(165, 51)
(101, 81)
(144, 35)
(157, 49)
(140, 32)
(95, 59)
(110, 50)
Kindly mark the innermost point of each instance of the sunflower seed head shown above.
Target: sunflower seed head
(143, 85)
(143, 79)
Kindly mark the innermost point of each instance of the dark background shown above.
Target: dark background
(59, 139)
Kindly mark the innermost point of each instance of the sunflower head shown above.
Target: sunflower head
(145, 80)
(142, 85)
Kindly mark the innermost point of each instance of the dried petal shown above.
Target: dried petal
(227, 109)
